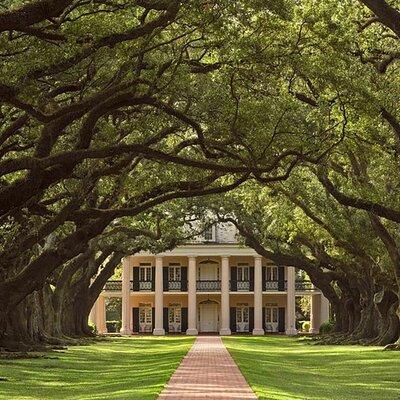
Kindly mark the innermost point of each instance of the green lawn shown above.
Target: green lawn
(281, 368)
(120, 368)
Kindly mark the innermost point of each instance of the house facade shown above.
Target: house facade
(212, 284)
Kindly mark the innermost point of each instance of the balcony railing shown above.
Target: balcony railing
(174, 285)
(304, 286)
(113, 286)
(243, 286)
(271, 285)
(145, 285)
(212, 286)
(208, 286)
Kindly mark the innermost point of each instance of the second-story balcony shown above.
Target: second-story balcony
(302, 286)
(243, 286)
(113, 286)
(177, 286)
(272, 286)
(208, 286)
(146, 285)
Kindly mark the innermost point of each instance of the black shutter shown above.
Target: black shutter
(165, 279)
(233, 319)
(184, 279)
(153, 318)
(184, 325)
(136, 279)
(264, 278)
(233, 279)
(135, 311)
(165, 319)
(281, 319)
(153, 279)
(251, 279)
(281, 279)
(251, 319)
(263, 318)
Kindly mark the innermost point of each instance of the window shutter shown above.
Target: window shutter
(281, 279)
(135, 311)
(251, 319)
(264, 278)
(263, 318)
(165, 279)
(281, 319)
(153, 317)
(251, 279)
(184, 279)
(233, 319)
(234, 279)
(136, 279)
(153, 279)
(184, 325)
(165, 319)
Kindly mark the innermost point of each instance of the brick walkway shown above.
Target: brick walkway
(207, 372)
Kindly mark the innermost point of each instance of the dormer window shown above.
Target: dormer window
(208, 234)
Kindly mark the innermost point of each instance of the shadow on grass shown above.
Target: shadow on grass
(281, 368)
(117, 368)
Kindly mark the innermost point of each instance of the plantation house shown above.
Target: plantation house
(212, 284)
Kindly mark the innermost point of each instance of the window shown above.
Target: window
(243, 273)
(145, 313)
(145, 273)
(272, 274)
(174, 272)
(271, 315)
(242, 313)
(208, 234)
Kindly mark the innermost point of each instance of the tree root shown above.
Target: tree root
(392, 347)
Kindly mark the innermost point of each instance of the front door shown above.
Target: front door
(174, 318)
(145, 319)
(242, 318)
(209, 318)
(271, 319)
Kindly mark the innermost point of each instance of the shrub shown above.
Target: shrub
(114, 326)
(305, 327)
(92, 328)
(326, 327)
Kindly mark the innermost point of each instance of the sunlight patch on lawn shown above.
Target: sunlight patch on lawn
(115, 368)
(282, 368)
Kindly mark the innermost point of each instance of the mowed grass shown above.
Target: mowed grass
(117, 368)
(282, 368)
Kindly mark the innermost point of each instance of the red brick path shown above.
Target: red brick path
(207, 372)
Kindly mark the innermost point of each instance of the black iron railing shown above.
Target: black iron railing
(243, 286)
(113, 286)
(174, 285)
(271, 285)
(304, 285)
(145, 285)
(208, 286)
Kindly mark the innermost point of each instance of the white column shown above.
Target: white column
(101, 315)
(258, 325)
(126, 328)
(225, 329)
(315, 313)
(324, 313)
(192, 306)
(158, 298)
(291, 302)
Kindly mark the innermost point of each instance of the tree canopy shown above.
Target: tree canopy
(118, 117)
